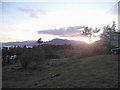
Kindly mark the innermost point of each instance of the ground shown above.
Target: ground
(100, 71)
(0, 73)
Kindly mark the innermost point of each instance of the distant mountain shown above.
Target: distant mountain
(55, 41)
(58, 41)
(27, 43)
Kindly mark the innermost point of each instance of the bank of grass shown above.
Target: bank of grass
(100, 71)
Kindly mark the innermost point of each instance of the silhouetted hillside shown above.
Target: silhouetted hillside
(56, 41)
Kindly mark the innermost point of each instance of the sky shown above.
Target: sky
(51, 19)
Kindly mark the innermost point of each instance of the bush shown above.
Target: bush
(30, 56)
(52, 56)
(50, 53)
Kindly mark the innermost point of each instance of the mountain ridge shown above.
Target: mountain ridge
(56, 41)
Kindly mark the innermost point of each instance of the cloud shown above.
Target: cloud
(64, 32)
(32, 12)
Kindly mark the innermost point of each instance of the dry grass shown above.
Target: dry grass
(99, 71)
(0, 73)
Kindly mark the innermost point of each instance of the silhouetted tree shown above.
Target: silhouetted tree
(113, 27)
(25, 46)
(89, 32)
(107, 34)
(39, 41)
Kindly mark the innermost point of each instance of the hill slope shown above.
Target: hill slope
(99, 71)
(55, 41)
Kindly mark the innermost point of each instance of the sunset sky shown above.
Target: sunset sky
(53, 19)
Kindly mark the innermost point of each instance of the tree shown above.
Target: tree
(109, 30)
(25, 46)
(107, 34)
(39, 41)
(89, 32)
(113, 27)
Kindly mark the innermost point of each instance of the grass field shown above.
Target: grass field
(0, 73)
(100, 71)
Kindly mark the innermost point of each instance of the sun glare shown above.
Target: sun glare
(88, 40)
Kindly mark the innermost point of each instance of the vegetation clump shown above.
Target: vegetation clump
(33, 56)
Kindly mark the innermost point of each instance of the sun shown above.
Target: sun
(90, 40)
(86, 39)
(83, 38)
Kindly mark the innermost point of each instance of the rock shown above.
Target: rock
(55, 75)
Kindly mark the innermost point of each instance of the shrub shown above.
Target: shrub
(52, 56)
(50, 53)
(34, 55)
